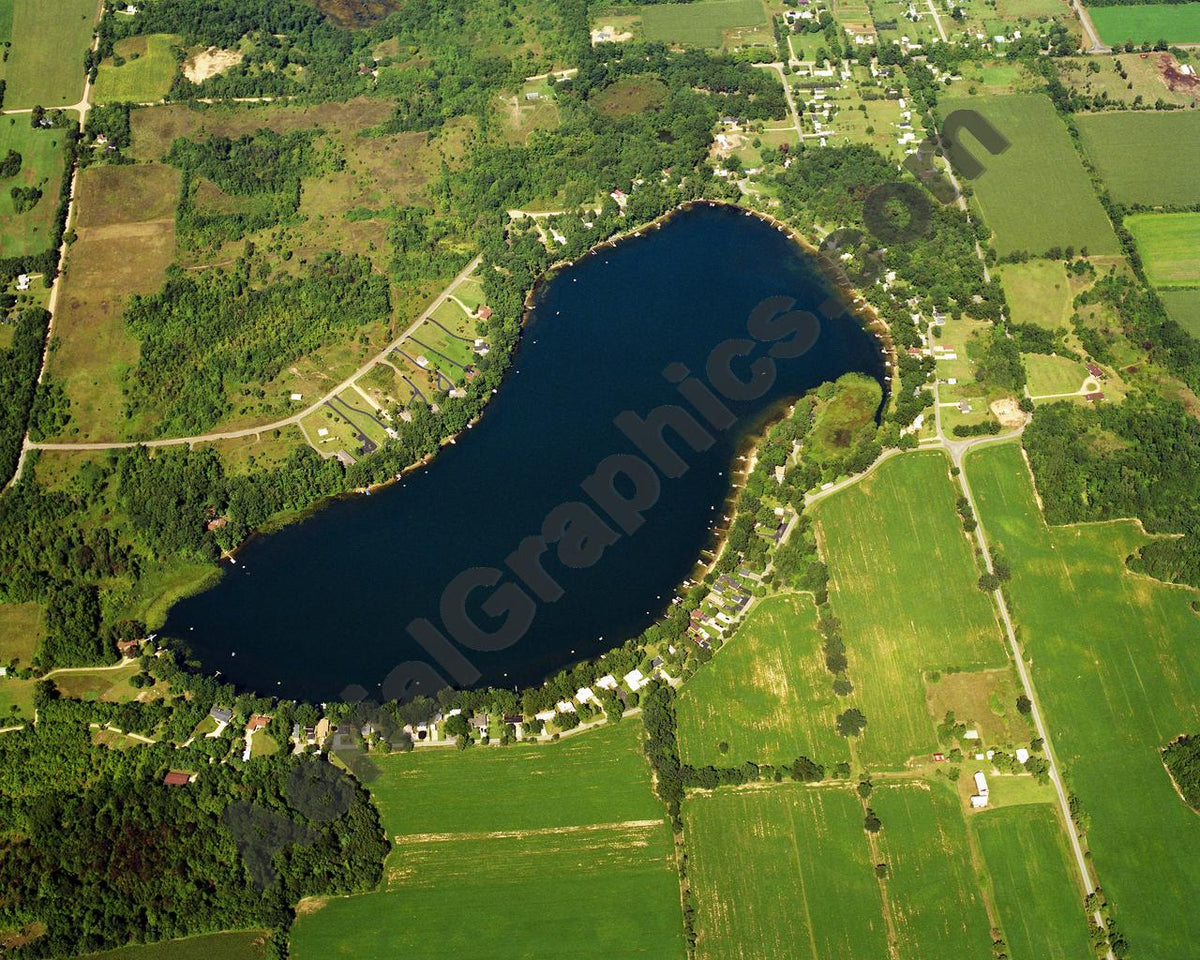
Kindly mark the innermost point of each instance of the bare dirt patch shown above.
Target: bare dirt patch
(209, 63)
(356, 13)
(311, 905)
(1176, 80)
(1007, 412)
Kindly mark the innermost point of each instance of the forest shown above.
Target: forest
(19, 365)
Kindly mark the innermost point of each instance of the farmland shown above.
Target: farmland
(1117, 670)
(1036, 893)
(1148, 23)
(1169, 244)
(783, 871)
(902, 582)
(1036, 194)
(1050, 375)
(936, 906)
(1037, 292)
(700, 24)
(247, 945)
(1142, 156)
(43, 154)
(1183, 306)
(766, 693)
(146, 73)
(523, 820)
(20, 632)
(45, 63)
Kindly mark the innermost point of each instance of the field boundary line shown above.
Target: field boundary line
(522, 834)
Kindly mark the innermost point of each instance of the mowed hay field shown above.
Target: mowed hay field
(45, 62)
(766, 693)
(1183, 306)
(1116, 664)
(699, 24)
(21, 630)
(935, 904)
(1148, 23)
(784, 871)
(1169, 244)
(526, 851)
(146, 74)
(43, 153)
(1037, 292)
(1036, 194)
(126, 229)
(242, 945)
(1146, 157)
(1034, 884)
(903, 584)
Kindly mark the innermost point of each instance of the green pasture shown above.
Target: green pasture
(766, 693)
(1183, 306)
(1037, 292)
(1036, 194)
(1148, 23)
(1116, 665)
(45, 62)
(1145, 157)
(526, 851)
(1169, 245)
(20, 632)
(699, 24)
(784, 871)
(903, 584)
(43, 153)
(1049, 374)
(1035, 884)
(147, 73)
(243, 945)
(936, 907)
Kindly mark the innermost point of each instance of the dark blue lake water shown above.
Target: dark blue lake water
(325, 602)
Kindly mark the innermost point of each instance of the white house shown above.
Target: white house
(607, 682)
(634, 680)
(544, 715)
(1022, 754)
(981, 786)
(584, 694)
(565, 706)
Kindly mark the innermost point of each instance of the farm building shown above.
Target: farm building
(176, 778)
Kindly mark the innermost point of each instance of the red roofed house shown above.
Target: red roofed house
(1093, 397)
(257, 722)
(175, 778)
(1095, 371)
(484, 312)
(127, 648)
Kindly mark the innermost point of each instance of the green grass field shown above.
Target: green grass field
(935, 904)
(699, 24)
(766, 693)
(146, 75)
(1033, 882)
(20, 631)
(1116, 665)
(43, 153)
(903, 583)
(45, 63)
(526, 851)
(1169, 244)
(1143, 156)
(1036, 195)
(783, 872)
(243, 945)
(1049, 375)
(1148, 23)
(1183, 306)
(1037, 292)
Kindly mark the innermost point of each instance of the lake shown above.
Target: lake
(326, 602)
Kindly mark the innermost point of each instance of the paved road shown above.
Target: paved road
(937, 21)
(787, 92)
(1090, 29)
(287, 421)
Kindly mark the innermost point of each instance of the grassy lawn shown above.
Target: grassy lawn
(20, 632)
(98, 684)
(42, 158)
(1035, 195)
(699, 24)
(146, 74)
(1049, 374)
(1148, 23)
(783, 872)
(126, 228)
(936, 906)
(1142, 156)
(983, 699)
(1117, 668)
(1169, 244)
(766, 693)
(541, 850)
(903, 584)
(1183, 306)
(1037, 292)
(1034, 883)
(244, 945)
(45, 62)
(16, 693)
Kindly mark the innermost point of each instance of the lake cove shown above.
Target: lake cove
(327, 602)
